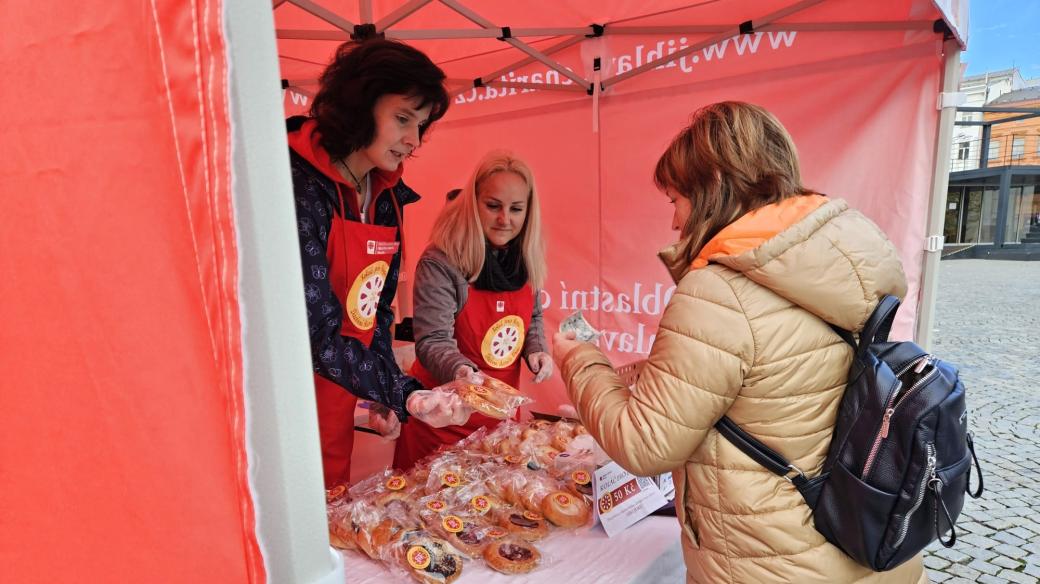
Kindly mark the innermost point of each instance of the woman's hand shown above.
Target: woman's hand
(541, 365)
(384, 421)
(469, 374)
(438, 408)
(562, 344)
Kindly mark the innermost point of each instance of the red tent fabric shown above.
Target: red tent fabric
(123, 409)
(122, 425)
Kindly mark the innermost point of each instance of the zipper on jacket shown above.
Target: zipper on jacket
(890, 409)
(929, 474)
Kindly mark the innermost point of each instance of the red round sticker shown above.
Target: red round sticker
(396, 483)
(581, 477)
(563, 499)
(450, 479)
(452, 524)
(418, 557)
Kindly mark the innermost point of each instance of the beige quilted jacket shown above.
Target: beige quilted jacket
(747, 336)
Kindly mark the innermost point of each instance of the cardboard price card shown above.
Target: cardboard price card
(622, 498)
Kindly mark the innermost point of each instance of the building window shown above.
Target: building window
(1018, 148)
(994, 150)
(962, 150)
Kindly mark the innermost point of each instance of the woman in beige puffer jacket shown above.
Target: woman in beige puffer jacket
(763, 267)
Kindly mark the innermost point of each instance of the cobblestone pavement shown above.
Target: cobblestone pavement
(988, 323)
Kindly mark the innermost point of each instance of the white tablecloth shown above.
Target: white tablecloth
(648, 552)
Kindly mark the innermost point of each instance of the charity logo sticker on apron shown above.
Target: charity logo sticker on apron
(363, 298)
(503, 342)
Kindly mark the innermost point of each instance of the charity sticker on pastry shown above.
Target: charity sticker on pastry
(452, 524)
(480, 504)
(581, 477)
(513, 459)
(335, 493)
(418, 557)
(533, 516)
(396, 483)
(435, 505)
(450, 479)
(496, 532)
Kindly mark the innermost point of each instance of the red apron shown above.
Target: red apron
(359, 257)
(490, 331)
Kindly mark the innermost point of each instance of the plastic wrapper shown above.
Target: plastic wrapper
(514, 555)
(383, 487)
(424, 557)
(490, 396)
(566, 509)
(519, 522)
(357, 525)
(442, 406)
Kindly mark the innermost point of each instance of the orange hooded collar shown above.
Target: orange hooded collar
(306, 142)
(748, 232)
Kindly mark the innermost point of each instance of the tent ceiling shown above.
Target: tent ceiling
(463, 35)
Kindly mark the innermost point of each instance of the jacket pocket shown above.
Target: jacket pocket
(683, 513)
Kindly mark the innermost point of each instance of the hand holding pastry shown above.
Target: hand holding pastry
(438, 408)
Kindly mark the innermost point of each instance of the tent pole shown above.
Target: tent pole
(758, 22)
(365, 11)
(785, 26)
(400, 14)
(937, 201)
(473, 16)
(281, 425)
(325, 14)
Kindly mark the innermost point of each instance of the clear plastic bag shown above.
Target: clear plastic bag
(489, 396)
(424, 557)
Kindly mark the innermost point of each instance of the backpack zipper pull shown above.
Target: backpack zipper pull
(885, 422)
(926, 361)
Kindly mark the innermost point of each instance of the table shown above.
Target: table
(649, 552)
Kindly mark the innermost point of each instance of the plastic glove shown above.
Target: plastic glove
(438, 408)
(384, 421)
(469, 374)
(541, 365)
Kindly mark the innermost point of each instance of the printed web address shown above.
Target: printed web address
(740, 45)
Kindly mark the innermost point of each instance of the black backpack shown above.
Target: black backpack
(900, 458)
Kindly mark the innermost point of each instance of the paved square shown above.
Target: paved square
(988, 323)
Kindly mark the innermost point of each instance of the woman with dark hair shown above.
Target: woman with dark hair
(377, 100)
(763, 268)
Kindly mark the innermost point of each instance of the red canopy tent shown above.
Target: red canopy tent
(158, 417)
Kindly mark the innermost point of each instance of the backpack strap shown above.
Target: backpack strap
(879, 325)
(773, 461)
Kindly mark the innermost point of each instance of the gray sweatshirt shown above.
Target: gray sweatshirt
(439, 294)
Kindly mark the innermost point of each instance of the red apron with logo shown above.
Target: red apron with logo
(490, 331)
(359, 257)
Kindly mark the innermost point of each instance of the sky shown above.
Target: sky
(1003, 34)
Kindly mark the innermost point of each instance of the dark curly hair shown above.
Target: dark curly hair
(361, 73)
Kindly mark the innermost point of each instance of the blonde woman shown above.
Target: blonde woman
(763, 266)
(476, 294)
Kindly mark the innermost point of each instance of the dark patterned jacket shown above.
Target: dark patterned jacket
(369, 372)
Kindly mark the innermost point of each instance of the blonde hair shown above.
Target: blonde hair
(458, 232)
(733, 158)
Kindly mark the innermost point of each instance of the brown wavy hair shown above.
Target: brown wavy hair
(733, 158)
(361, 73)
